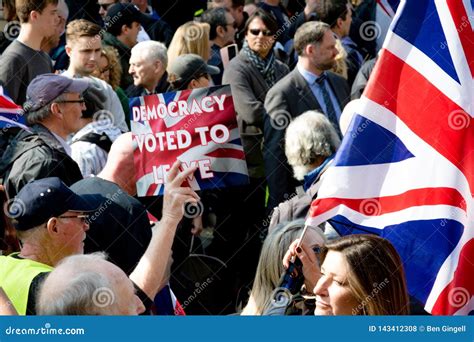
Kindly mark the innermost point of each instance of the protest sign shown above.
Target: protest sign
(197, 127)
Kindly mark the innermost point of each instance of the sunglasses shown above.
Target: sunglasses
(256, 32)
(83, 218)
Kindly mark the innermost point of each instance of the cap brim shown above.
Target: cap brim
(212, 70)
(78, 85)
(85, 203)
(142, 18)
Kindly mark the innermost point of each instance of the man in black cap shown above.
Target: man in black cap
(53, 109)
(122, 24)
(51, 223)
(52, 220)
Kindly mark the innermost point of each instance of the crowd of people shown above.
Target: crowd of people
(73, 226)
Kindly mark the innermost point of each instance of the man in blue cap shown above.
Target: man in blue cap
(53, 110)
(51, 223)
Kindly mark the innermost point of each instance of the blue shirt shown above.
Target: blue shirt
(311, 80)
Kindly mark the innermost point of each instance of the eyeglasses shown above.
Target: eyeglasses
(84, 218)
(81, 101)
(256, 32)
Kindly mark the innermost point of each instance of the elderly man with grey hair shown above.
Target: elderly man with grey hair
(53, 112)
(88, 285)
(148, 62)
(311, 142)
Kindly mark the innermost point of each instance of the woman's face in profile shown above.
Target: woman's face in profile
(333, 295)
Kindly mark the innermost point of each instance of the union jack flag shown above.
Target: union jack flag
(405, 169)
(384, 13)
(11, 114)
(227, 159)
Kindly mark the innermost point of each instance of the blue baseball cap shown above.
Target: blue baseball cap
(45, 88)
(42, 199)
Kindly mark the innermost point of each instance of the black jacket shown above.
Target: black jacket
(286, 100)
(33, 156)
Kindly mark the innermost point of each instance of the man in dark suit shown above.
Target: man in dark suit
(308, 87)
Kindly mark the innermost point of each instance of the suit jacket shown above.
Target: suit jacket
(287, 99)
(249, 90)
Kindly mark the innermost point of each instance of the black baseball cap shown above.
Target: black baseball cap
(42, 199)
(186, 67)
(121, 14)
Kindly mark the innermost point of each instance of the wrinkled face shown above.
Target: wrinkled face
(71, 109)
(323, 55)
(259, 38)
(145, 72)
(104, 5)
(333, 295)
(47, 21)
(84, 54)
(71, 232)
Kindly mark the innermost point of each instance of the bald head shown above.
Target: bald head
(87, 285)
(120, 167)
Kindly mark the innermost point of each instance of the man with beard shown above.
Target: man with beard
(308, 87)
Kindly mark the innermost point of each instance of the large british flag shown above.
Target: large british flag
(227, 159)
(405, 169)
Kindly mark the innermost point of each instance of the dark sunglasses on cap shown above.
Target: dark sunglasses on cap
(256, 32)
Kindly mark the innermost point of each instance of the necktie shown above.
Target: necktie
(330, 111)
